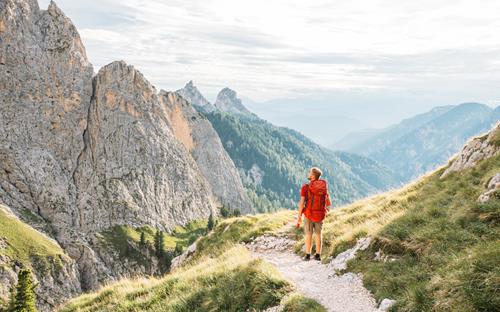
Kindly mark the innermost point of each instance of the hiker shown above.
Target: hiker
(314, 204)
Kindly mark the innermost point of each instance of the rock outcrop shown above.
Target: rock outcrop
(492, 189)
(339, 263)
(198, 136)
(191, 93)
(227, 101)
(475, 150)
(84, 153)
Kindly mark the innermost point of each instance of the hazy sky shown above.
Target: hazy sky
(354, 63)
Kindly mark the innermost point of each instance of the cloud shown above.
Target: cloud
(275, 48)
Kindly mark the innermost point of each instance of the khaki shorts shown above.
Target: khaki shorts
(310, 226)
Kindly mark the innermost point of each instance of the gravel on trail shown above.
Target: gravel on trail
(339, 293)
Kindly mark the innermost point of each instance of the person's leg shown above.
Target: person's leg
(317, 235)
(308, 231)
(308, 243)
(318, 242)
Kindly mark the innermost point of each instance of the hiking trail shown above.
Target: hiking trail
(337, 293)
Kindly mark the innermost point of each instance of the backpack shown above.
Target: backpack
(316, 200)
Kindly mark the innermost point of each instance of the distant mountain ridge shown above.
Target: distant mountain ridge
(419, 144)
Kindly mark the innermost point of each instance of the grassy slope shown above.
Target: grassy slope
(202, 284)
(26, 245)
(119, 237)
(200, 287)
(443, 250)
(444, 246)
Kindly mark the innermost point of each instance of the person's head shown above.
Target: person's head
(314, 174)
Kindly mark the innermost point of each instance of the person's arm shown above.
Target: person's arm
(301, 208)
(328, 202)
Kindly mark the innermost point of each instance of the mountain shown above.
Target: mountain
(340, 112)
(432, 245)
(354, 139)
(385, 136)
(194, 130)
(362, 142)
(419, 144)
(83, 153)
(227, 101)
(191, 93)
(273, 161)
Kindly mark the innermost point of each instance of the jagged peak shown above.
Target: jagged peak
(191, 94)
(228, 101)
(121, 68)
(228, 92)
(173, 97)
(53, 8)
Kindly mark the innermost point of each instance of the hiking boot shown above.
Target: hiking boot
(307, 257)
(317, 257)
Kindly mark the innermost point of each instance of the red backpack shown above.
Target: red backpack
(316, 200)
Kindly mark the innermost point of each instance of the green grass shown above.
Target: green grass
(231, 282)
(27, 246)
(299, 303)
(125, 239)
(444, 245)
(240, 229)
(344, 225)
(221, 276)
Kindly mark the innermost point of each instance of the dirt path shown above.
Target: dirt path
(342, 293)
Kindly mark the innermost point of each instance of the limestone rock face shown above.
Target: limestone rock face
(191, 93)
(85, 152)
(197, 134)
(45, 90)
(132, 169)
(227, 101)
(476, 150)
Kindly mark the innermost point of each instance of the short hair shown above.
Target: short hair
(317, 172)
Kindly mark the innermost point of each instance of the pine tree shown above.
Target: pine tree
(159, 244)
(142, 242)
(25, 298)
(178, 249)
(224, 212)
(210, 224)
(168, 260)
(236, 212)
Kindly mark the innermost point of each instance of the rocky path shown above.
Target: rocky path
(339, 293)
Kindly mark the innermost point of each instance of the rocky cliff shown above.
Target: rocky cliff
(83, 153)
(228, 101)
(477, 149)
(191, 93)
(198, 136)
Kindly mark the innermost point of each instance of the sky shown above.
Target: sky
(413, 54)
